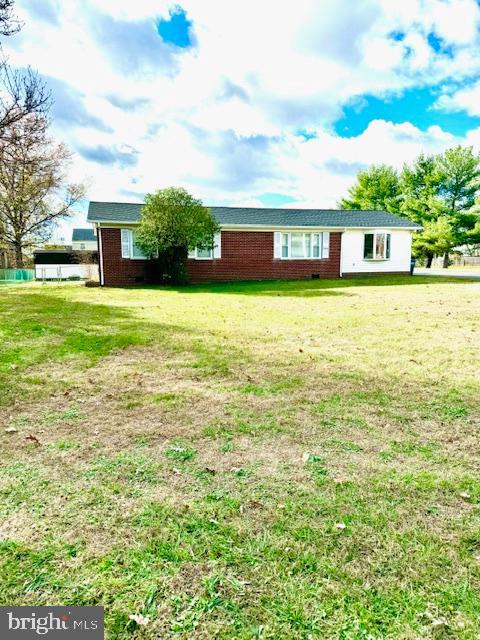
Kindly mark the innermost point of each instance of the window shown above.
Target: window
(316, 245)
(208, 254)
(376, 246)
(368, 246)
(136, 251)
(284, 245)
(298, 246)
(204, 253)
(129, 247)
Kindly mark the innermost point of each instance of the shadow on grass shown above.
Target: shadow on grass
(43, 328)
(309, 288)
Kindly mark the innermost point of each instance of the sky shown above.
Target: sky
(250, 103)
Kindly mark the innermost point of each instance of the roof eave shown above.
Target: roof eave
(270, 227)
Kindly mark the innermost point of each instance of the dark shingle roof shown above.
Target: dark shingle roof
(123, 212)
(83, 235)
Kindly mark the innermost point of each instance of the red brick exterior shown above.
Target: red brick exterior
(118, 271)
(246, 255)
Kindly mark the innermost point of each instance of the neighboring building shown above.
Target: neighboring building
(76, 261)
(84, 240)
(65, 264)
(264, 244)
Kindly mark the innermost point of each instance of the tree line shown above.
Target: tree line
(34, 187)
(439, 191)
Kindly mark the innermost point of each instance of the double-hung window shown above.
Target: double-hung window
(376, 246)
(208, 254)
(297, 245)
(129, 246)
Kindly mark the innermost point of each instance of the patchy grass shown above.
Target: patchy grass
(251, 460)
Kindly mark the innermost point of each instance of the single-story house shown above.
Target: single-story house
(263, 244)
(84, 240)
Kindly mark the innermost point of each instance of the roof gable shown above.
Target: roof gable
(129, 213)
(83, 235)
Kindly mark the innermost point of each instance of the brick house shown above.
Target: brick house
(264, 244)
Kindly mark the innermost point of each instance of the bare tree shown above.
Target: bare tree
(9, 23)
(21, 91)
(34, 191)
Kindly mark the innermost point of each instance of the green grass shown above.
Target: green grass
(250, 460)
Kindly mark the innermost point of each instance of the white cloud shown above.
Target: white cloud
(466, 99)
(456, 21)
(221, 118)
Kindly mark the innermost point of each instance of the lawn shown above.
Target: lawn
(266, 460)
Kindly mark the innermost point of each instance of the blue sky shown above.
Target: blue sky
(175, 28)
(244, 110)
(417, 105)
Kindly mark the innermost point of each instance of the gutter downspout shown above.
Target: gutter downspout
(100, 251)
(341, 253)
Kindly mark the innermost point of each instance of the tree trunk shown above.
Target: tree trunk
(446, 260)
(429, 260)
(18, 256)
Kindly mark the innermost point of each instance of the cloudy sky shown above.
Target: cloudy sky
(253, 102)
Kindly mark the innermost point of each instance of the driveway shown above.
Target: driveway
(450, 273)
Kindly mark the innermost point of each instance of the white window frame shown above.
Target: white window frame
(127, 242)
(195, 256)
(324, 245)
(215, 252)
(387, 245)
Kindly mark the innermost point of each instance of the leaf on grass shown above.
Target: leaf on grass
(139, 619)
(436, 621)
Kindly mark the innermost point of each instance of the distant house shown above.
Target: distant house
(84, 240)
(71, 262)
(261, 244)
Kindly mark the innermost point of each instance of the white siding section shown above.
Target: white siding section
(86, 245)
(352, 252)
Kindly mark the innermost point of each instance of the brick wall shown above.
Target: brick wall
(249, 256)
(245, 256)
(118, 271)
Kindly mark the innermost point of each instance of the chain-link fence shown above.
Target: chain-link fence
(16, 275)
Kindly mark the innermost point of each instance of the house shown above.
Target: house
(262, 244)
(84, 240)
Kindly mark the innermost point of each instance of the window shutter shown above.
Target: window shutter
(217, 247)
(387, 248)
(325, 244)
(277, 244)
(126, 243)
